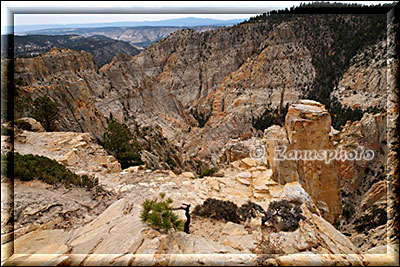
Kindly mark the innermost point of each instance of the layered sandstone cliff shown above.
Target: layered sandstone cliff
(228, 75)
(71, 80)
(365, 81)
(85, 99)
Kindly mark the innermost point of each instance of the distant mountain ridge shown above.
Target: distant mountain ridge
(181, 22)
(140, 36)
(101, 47)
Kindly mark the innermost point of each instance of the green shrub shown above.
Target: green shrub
(4, 163)
(22, 104)
(45, 111)
(119, 142)
(23, 125)
(229, 211)
(201, 117)
(250, 210)
(208, 172)
(32, 167)
(5, 130)
(158, 214)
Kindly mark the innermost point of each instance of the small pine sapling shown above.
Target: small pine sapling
(158, 214)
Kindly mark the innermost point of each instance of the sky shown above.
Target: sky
(236, 9)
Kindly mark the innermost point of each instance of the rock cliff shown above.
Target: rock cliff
(85, 235)
(102, 48)
(293, 152)
(308, 125)
(122, 238)
(363, 183)
(363, 84)
(71, 80)
(203, 88)
(358, 189)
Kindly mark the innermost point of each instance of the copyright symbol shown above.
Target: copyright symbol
(257, 152)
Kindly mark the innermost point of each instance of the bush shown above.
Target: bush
(119, 142)
(22, 105)
(283, 215)
(218, 209)
(5, 163)
(250, 210)
(208, 172)
(201, 117)
(5, 130)
(32, 167)
(45, 111)
(159, 215)
(288, 214)
(227, 210)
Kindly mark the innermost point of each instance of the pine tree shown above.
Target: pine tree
(158, 214)
(45, 111)
(119, 141)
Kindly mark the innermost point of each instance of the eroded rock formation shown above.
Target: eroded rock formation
(294, 155)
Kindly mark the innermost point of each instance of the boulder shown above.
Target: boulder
(114, 167)
(261, 181)
(244, 178)
(71, 158)
(172, 174)
(248, 163)
(187, 175)
(134, 169)
(101, 160)
(375, 193)
(234, 229)
(219, 173)
(244, 243)
(35, 125)
(276, 139)
(294, 193)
